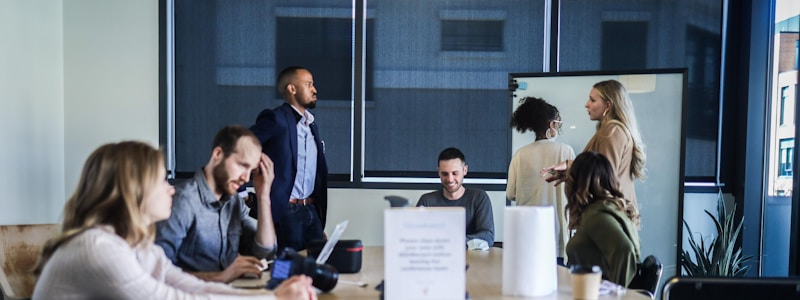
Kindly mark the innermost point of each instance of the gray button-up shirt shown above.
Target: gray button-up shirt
(204, 233)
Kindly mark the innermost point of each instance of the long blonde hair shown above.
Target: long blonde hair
(115, 179)
(621, 110)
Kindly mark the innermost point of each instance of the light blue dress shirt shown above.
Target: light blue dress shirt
(306, 158)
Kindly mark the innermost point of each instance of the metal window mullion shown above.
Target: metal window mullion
(357, 107)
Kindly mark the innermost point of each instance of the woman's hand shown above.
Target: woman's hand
(297, 287)
(557, 173)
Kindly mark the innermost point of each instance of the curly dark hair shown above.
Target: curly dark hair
(534, 114)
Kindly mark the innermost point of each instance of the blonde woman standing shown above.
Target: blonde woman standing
(617, 137)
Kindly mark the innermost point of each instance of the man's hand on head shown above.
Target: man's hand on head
(263, 177)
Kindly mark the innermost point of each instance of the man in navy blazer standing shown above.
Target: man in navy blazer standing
(291, 139)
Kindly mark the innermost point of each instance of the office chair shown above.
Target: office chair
(648, 274)
(711, 288)
(20, 246)
(696, 288)
(396, 201)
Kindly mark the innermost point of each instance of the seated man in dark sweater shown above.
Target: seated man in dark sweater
(452, 169)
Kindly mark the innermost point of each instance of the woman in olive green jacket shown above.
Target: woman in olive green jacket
(605, 223)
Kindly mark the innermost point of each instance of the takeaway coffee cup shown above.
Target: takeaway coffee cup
(585, 281)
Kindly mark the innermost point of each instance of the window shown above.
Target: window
(321, 44)
(440, 82)
(416, 101)
(613, 35)
(778, 237)
(786, 155)
(703, 61)
(624, 46)
(462, 35)
(435, 72)
(787, 107)
(324, 46)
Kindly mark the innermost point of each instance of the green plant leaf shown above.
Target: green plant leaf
(719, 256)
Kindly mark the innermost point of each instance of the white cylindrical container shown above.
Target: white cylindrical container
(529, 251)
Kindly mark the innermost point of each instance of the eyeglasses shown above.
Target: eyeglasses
(558, 126)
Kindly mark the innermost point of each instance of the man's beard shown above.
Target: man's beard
(311, 105)
(221, 179)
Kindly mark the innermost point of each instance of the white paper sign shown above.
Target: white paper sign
(424, 253)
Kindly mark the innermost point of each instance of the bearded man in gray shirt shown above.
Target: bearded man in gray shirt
(210, 232)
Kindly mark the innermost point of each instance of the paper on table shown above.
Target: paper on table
(424, 255)
(529, 251)
(608, 287)
(477, 244)
(264, 265)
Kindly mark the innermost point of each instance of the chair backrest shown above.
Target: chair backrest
(397, 201)
(20, 246)
(648, 274)
(691, 288)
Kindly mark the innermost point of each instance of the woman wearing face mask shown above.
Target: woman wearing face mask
(524, 183)
(617, 136)
(106, 249)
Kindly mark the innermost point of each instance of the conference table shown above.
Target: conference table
(484, 279)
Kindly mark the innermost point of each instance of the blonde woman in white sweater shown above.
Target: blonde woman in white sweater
(525, 184)
(106, 248)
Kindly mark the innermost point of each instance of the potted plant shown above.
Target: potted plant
(720, 256)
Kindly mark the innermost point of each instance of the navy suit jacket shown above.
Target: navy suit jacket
(277, 131)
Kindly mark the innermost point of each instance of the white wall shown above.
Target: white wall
(73, 75)
(31, 111)
(110, 77)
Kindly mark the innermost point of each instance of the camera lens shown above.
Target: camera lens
(325, 277)
(289, 263)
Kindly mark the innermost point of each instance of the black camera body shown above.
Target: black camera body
(345, 257)
(289, 263)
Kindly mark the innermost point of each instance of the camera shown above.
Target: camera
(289, 263)
(345, 256)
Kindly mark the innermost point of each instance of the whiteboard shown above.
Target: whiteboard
(658, 101)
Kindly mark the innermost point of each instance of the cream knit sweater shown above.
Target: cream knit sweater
(98, 264)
